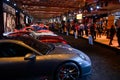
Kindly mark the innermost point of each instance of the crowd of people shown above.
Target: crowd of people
(93, 29)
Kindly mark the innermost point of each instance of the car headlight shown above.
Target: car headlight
(83, 57)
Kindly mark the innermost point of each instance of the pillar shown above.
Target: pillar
(1, 18)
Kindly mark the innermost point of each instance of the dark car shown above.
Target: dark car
(27, 58)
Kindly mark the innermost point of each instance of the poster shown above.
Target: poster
(9, 18)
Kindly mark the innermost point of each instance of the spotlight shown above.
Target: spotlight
(16, 11)
(91, 9)
(98, 7)
(14, 4)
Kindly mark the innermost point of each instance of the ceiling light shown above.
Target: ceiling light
(14, 4)
(91, 9)
(98, 7)
(16, 11)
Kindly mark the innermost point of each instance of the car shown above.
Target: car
(7, 33)
(46, 31)
(26, 58)
(29, 33)
(17, 33)
(55, 40)
(52, 39)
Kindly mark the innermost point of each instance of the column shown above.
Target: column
(1, 18)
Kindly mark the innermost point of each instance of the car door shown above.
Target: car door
(12, 62)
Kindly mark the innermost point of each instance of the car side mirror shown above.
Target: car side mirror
(30, 57)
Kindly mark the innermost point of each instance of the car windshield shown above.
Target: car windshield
(34, 43)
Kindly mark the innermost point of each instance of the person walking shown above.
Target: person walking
(112, 33)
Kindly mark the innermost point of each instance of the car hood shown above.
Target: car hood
(70, 50)
(66, 50)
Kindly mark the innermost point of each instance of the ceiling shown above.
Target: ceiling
(106, 7)
(43, 9)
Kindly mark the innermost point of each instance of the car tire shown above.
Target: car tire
(68, 71)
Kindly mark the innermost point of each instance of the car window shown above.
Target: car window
(13, 50)
(36, 44)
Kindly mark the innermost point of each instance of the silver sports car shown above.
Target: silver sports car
(27, 58)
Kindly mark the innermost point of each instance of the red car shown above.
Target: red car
(52, 39)
(46, 31)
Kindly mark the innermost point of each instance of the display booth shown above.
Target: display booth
(9, 18)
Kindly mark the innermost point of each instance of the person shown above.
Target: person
(99, 30)
(112, 33)
(118, 31)
(81, 29)
(92, 31)
(90, 39)
(86, 30)
(76, 30)
(63, 26)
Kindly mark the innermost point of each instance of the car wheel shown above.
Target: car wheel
(68, 71)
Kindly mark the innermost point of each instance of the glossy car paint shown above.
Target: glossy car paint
(45, 65)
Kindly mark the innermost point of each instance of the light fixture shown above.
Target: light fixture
(14, 4)
(8, 0)
(16, 11)
(91, 9)
(98, 7)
